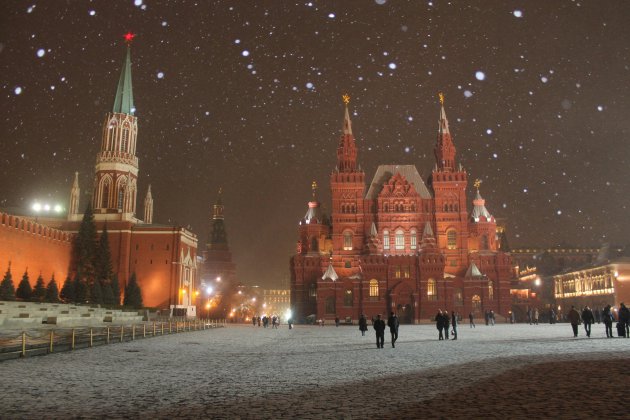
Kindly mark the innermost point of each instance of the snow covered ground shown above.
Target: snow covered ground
(309, 372)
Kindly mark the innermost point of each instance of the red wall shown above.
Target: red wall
(32, 246)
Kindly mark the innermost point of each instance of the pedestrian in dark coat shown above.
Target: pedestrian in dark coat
(363, 324)
(588, 319)
(624, 319)
(471, 318)
(447, 323)
(392, 323)
(608, 319)
(439, 324)
(574, 319)
(379, 327)
(454, 323)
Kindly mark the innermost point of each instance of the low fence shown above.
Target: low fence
(45, 341)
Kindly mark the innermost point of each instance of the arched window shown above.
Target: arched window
(373, 288)
(330, 305)
(445, 207)
(347, 298)
(400, 239)
(314, 244)
(451, 239)
(476, 303)
(490, 290)
(105, 197)
(125, 138)
(431, 290)
(483, 243)
(413, 239)
(347, 241)
(386, 239)
(312, 290)
(120, 198)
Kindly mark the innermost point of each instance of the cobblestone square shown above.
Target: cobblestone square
(326, 372)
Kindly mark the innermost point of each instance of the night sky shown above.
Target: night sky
(246, 95)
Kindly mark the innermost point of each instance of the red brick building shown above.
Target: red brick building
(399, 244)
(163, 257)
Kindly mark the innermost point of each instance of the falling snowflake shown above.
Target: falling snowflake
(517, 13)
(160, 75)
(392, 66)
(468, 93)
(600, 108)
(309, 85)
(245, 53)
(479, 75)
(41, 52)
(17, 90)
(137, 3)
(92, 12)
(331, 15)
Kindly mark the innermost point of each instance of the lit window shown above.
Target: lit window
(347, 241)
(451, 239)
(476, 303)
(413, 236)
(397, 271)
(406, 272)
(312, 290)
(385, 239)
(373, 288)
(431, 290)
(400, 239)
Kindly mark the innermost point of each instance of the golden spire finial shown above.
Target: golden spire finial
(346, 98)
(314, 187)
(477, 183)
(441, 96)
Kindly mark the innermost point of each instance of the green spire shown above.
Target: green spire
(123, 103)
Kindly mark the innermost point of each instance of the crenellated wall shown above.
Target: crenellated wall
(33, 246)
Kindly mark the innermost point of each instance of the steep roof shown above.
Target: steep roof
(473, 271)
(385, 172)
(123, 102)
(330, 273)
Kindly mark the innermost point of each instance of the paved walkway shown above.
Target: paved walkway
(248, 372)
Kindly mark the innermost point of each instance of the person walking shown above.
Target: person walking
(336, 321)
(608, 318)
(393, 324)
(447, 324)
(574, 319)
(363, 324)
(588, 319)
(439, 324)
(535, 316)
(471, 319)
(379, 327)
(624, 319)
(454, 323)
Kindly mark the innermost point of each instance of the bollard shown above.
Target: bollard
(170, 327)
(133, 332)
(162, 328)
(122, 332)
(50, 347)
(153, 328)
(73, 334)
(91, 342)
(144, 330)
(107, 335)
(23, 344)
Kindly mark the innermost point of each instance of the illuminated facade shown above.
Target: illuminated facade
(595, 286)
(398, 244)
(276, 301)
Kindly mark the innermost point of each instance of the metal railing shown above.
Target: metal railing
(45, 341)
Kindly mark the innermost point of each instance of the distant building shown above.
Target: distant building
(397, 244)
(162, 256)
(600, 284)
(276, 302)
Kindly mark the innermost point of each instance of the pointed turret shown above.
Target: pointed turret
(218, 235)
(480, 213)
(313, 214)
(444, 148)
(148, 207)
(330, 273)
(116, 172)
(428, 239)
(473, 271)
(75, 195)
(123, 102)
(347, 149)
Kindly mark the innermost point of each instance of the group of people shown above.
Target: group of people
(607, 316)
(379, 327)
(265, 320)
(444, 322)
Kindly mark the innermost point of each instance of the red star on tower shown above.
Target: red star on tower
(129, 37)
